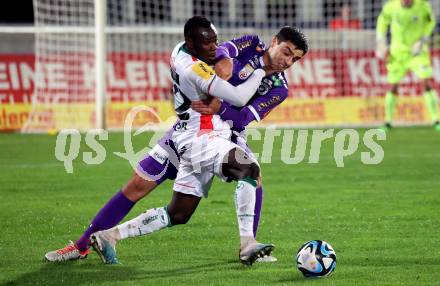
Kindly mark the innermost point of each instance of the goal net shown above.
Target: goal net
(339, 82)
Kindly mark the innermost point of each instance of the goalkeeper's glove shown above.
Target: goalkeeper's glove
(417, 47)
(381, 48)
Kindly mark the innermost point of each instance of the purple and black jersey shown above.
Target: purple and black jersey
(247, 55)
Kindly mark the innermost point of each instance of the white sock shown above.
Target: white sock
(150, 221)
(245, 206)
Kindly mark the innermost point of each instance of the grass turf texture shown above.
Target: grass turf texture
(383, 220)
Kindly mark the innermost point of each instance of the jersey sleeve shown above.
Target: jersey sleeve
(383, 21)
(205, 81)
(262, 105)
(200, 75)
(239, 46)
(257, 109)
(239, 117)
(431, 22)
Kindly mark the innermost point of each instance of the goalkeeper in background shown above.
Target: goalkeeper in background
(411, 24)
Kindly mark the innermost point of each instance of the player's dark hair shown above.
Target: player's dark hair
(295, 36)
(193, 24)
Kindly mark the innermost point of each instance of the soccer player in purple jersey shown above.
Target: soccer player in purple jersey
(236, 61)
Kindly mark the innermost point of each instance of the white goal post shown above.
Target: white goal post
(100, 60)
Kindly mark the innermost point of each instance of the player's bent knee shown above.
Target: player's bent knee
(179, 218)
(140, 183)
(250, 171)
(239, 166)
(253, 171)
(427, 85)
(260, 181)
(138, 187)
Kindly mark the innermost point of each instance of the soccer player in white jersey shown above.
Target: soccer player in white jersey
(203, 142)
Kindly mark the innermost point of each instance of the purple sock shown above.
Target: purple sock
(257, 211)
(109, 216)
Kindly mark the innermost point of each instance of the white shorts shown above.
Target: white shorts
(200, 163)
(241, 142)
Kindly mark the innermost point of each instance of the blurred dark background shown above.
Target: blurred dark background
(16, 12)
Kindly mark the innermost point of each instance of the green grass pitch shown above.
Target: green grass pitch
(383, 220)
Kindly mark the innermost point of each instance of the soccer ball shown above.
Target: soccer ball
(316, 258)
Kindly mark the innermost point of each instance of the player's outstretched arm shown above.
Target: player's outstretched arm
(255, 110)
(383, 22)
(237, 95)
(203, 77)
(240, 117)
(431, 20)
(427, 29)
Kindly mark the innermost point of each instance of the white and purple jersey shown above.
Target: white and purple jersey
(247, 54)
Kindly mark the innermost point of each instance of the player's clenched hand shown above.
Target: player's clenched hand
(208, 106)
(223, 68)
(383, 55)
(417, 47)
(273, 68)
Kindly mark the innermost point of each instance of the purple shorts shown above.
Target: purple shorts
(162, 162)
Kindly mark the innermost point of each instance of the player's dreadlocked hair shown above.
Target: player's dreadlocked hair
(295, 36)
(193, 23)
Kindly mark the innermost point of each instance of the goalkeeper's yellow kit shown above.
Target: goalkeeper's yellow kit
(410, 29)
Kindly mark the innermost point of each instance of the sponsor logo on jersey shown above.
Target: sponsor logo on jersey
(265, 86)
(203, 70)
(276, 81)
(255, 62)
(245, 72)
(180, 126)
(244, 44)
(269, 102)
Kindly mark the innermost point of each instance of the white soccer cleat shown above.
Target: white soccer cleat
(255, 250)
(105, 246)
(69, 252)
(266, 259)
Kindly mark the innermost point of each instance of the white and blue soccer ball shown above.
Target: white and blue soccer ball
(316, 258)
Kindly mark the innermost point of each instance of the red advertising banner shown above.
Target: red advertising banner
(349, 73)
(134, 77)
(142, 77)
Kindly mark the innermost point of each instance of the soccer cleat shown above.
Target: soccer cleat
(69, 252)
(254, 251)
(105, 247)
(266, 259)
